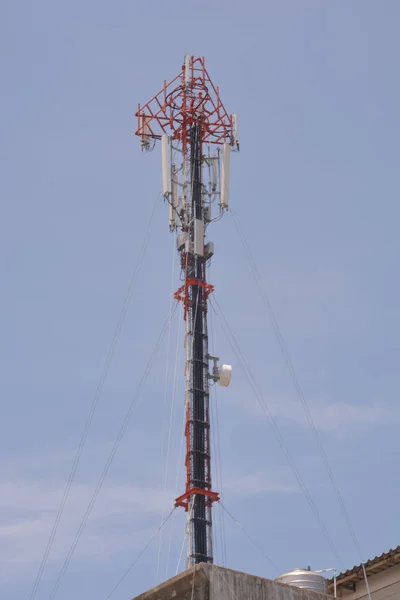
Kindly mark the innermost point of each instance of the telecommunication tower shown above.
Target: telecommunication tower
(197, 135)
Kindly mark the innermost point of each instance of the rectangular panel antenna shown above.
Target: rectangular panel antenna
(173, 201)
(226, 157)
(214, 173)
(236, 130)
(166, 176)
(199, 237)
(188, 75)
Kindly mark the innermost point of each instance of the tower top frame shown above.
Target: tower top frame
(190, 97)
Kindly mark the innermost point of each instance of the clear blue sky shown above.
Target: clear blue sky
(316, 186)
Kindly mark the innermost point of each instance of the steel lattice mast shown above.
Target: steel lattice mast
(196, 135)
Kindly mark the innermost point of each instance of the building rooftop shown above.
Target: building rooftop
(209, 582)
(349, 578)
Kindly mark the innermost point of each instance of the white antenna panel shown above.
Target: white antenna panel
(198, 226)
(166, 176)
(146, 132)
(175, 188)
(236, 130)
(172, 218)
(145, 125)
(226, 158)
(188, 75)
(173, 203)
(214, 174)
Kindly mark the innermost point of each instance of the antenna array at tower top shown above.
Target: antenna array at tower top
(190, 96)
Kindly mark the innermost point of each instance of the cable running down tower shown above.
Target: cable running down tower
(197, 135)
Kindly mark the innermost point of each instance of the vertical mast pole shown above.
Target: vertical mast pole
(189, 113)
(198, 550)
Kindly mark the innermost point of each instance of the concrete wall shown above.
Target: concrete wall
(208, 582)
(192, 584)
(232, 585)
(384, 585)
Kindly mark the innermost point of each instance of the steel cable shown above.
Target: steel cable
(298, 389)
(217, 445)
(94, 404)
(250, 538)
(190, 513)
(110, 457)
(264, 406)
(172, 428)
(129, 569)
(165, 407)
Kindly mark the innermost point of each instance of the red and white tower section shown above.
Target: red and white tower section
(197, 136)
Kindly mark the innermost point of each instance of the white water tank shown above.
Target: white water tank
(305, 578)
